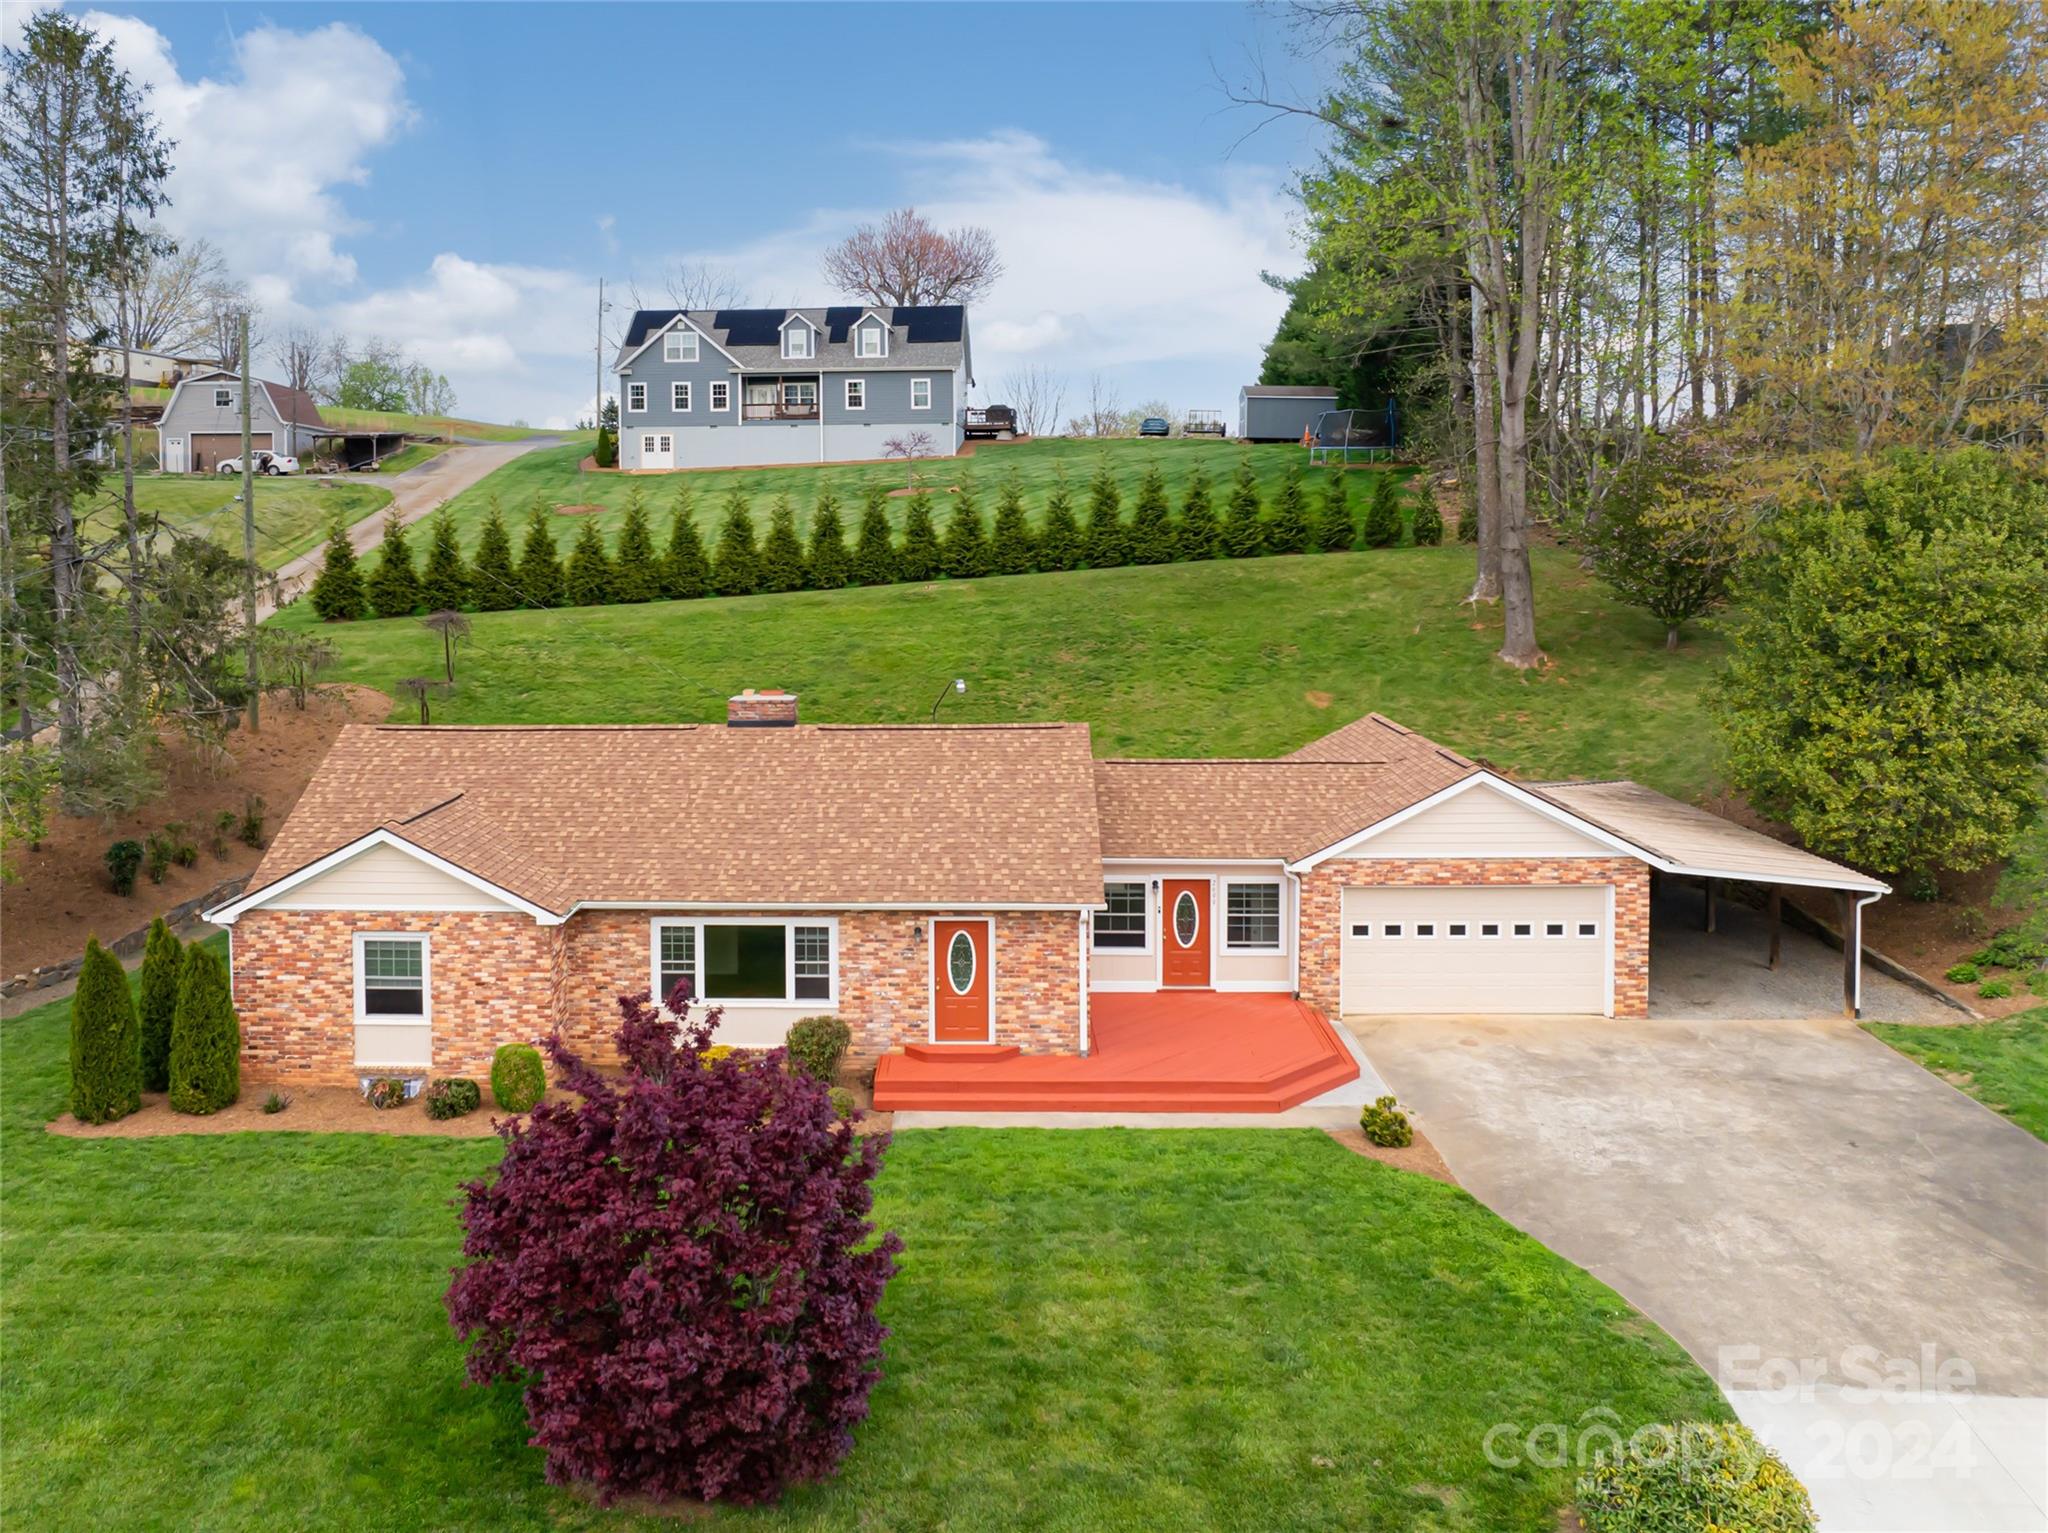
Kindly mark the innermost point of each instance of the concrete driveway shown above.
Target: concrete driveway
(1781, 1196)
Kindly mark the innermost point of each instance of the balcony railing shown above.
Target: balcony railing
(779, 412)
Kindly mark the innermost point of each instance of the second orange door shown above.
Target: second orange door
(1184, 931)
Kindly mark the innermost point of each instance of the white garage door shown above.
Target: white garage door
(1475, 951)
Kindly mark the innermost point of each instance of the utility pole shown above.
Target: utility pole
(597, 372)
(249, 538)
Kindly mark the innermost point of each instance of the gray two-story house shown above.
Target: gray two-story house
(729, 388)
(202, 421)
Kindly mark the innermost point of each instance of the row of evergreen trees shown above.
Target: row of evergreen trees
(183, 1038)
(740, 564)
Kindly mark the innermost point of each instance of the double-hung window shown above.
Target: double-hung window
(868, 341)
(223, 398)
(391, 978)
(796, 340)
(679, 396)
(1251, 917)
(721, 396)
(679, 346)
(675, 958)
(636, 396)
(920, 393)
(1123, 925)
(743, 962)
(856, 393)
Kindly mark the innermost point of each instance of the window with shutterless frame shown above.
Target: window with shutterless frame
(741, 962)
(391, 976)
(1251, 916)
(1124, 926)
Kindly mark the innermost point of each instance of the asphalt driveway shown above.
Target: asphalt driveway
(1779, 1190)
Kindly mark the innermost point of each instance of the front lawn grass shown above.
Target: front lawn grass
(292, 514)
(1092, 1330)
(1230, 658)
(2003, 1064)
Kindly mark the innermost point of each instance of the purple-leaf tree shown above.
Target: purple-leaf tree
(679, 1267)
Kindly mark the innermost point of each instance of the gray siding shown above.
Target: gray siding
(194, 412)
(648, 368)
(1265, 419)
(889, 401)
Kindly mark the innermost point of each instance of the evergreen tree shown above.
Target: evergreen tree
(1152, 521)
(920, 557)
(394, 588)
(445, 585)
(1428, 522)
(1107, 541)
(1383, 512)
(685, 569)
(736, 565)
(163, 960)
(964, 554)
(874, 555)
(338, 595)
(827, 565)
(494, 579)
(540, 561)
(782, 551)
(1334, 530)
(1196, 536)
(106, 1052)
(1288, 531)
(1010, 551)
(587, 582)
(636, 569)
(206, 1037)
(1059, 539)
(1244, 532)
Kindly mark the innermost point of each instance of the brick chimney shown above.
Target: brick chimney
(770, 708)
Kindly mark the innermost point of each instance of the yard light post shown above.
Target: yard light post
(957, 684)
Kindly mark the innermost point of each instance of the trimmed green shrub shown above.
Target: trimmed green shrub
(874, 552)
(736, 564)
(606, 453)
(817, 1044)
(206, 1037)
(1386, 1125)
(587, 580)
(445, 585)
(782, 551)
(1427, 522)
(1696, 1477)
(394, 586)
(106, 1057)
(685, 568)
(494, 578)
(453, 1096)
(163, 964)
(1010, 551)
(123, 859)
(1244, 530)
(338, 595)
(1152, 539)
(964, 553)
(1963, 974)
(827, 564)
(1995, 989)
(1288, 532)
(2015, 947)
(540, 561)
(385, 1093)
(841, 1100)
(1197, 536)
(1059, 538)
(636, 568)
(1106, 541)
(920, 558)
(1383, 512)
(518, 1081)
(1334, 531)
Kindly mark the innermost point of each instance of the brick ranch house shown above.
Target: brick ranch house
(440, 891)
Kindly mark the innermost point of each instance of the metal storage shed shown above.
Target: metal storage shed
(1280, 412)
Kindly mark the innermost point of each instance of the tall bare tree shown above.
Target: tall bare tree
(302, 355)
(1037, 394)
(906, 260)
(697, 285)
(166, 302)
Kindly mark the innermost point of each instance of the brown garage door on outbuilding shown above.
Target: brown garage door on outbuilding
(210, 448)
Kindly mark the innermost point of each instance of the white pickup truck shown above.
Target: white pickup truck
(266, 462)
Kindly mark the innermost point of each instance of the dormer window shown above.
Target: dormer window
(679, 346)
(870, 340)
(796, 338)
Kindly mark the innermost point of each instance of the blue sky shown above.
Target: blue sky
(455, 178)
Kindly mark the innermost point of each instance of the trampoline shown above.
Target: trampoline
(1345, 436)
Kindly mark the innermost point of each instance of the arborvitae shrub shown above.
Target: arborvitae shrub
(606, 453)
(782, 551)
(636, 569)
(1010, 549)
(453, 1096)
(540, 561)
(736, 564)
(106, 1054)
(206, 1037)
(685, 568)
(1383, 512)
(163, 965)
(394, 587)
(517, 1079)
(1244, 530)
(338, 595)
(1059, 538)
(587, 582)
(445, 585)
(1152, 521)
(494, 578)
(919, 558)
(964, 552)
(1427, 521)
(827, 563)
(1196, 536)
(1288, 530)
(1106, 543)
(874, 555)
(1334, 530)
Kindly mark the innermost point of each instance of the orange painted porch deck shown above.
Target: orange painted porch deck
(1184, 1051)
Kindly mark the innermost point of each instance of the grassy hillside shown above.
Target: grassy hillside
(292, 515)
(1246, 658)
(425, 425)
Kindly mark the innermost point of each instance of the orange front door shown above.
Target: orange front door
(1184, 928)
(960, 981)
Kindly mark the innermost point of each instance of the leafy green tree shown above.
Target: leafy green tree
(782, 551)
(1010, 551)
(394, 588)
(1288, 532)
(1059, 538)
(685, 568)
(827, 564)
(1244, 530)
(1426, 523)
(588, 580)
(1334, 531)
(1152, 540)
(920, 558)
(636, 568)
(874, 555)
(1670, 537)
(1196, 536)
(1106, 542)
(106, 1054)
(444, 587)
(1383, 512)
(494, 578)
(206, 1037)
(540, 560)
(163, 961)
(964, 552)
(338, 595)
(372, 383)
(736, 563)
(1887, 692)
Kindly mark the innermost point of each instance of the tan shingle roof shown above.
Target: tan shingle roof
(816, 814)
(1374, 738)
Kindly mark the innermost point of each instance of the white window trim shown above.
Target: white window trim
(712, 404)
(853, 384)
(426, 942)
(1223, 935)
(641, 390)
(223, 399)
(862, 332)
(680, 395)
(926, 383)
(679, 346)
(827, 1002)
(1145, 886)
(790, 326)
(664, 443)
(931, 977)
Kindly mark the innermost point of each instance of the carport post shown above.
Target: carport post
(1708, 885)
(1852, 948)
(1777, 913)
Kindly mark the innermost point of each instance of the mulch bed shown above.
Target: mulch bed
(1420, 1157)
(925, 489)
(580, 510)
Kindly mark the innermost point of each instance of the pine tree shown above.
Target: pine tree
(587, 582)
(782, 551)
(206, 1037)
(1244, 533)
(1196, 536)
(736, 565)
(1427, 520)
(964, 553)
(919, 558)
(445, 585)
(1106, 543)
(874, 554)
(685, 569)
(1010, 551)
(394, 588)
(540, 561)
(636, 569)
(1288, 531)
(163, 960)
(1383, 512)
(1059, 538)
(338, 595)
(1334, 530)
(827, 564)
(1152, 521)
(494, 579)
(106, 1052)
